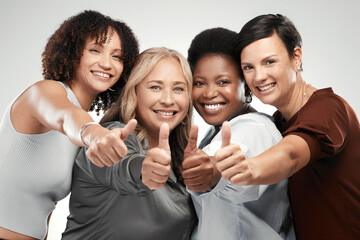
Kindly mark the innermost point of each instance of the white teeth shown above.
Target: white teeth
(165, 113)
(266, 87)
(214, 106)
(102, 74)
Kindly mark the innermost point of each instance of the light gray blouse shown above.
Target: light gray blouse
(229, 211)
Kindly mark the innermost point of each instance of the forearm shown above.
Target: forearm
(280, 161)
(71, 124)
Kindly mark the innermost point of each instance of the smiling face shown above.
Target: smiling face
(216, 90)
(162, 97)
(100, 66)
(269, 71)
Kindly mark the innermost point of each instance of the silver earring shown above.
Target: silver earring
(248, 98)
(299, 68)
(112, 90)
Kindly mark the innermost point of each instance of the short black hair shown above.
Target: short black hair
(213, 41)
(265, 26)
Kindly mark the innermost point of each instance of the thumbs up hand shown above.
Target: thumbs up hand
(230, 160)
(198, 172)
(156, 165)
(107, 147)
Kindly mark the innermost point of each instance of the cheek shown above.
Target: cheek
(184, 102)
(196, 93)
(235, 92)
(119, 68)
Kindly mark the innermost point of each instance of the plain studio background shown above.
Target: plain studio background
(329, 30)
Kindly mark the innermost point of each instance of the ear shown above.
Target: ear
(297, 58)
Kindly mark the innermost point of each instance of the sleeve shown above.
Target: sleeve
(123, 177)
(254, 134)
(324, 125)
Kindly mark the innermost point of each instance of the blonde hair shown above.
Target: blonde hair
(125, 107)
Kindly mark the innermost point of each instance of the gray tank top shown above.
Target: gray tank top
(35, 173)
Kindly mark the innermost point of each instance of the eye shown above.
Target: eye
(247, 67)
(119, 57)
(179, 89)
(268, 62)
(93, 50)
(223, 82)
(198, 83)
(155, 87)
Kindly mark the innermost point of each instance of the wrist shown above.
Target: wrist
(82, 130)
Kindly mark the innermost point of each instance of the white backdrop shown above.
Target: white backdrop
(329, 28)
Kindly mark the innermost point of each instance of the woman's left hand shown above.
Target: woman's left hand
(231, 161)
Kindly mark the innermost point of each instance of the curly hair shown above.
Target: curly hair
(213, 41)
(65, 47)
(125, 108)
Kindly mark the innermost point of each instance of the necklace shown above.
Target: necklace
(303, 102)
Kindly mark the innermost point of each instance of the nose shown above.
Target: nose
(167, 97)
(210, 92)
(105, 62)
(260, 74)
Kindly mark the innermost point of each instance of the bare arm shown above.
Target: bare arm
(274, 165)
(45, 106)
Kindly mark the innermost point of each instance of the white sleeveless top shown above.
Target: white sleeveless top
(35, 173)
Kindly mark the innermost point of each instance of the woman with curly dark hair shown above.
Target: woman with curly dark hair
(86, 63)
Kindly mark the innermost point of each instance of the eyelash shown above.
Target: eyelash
(198, 83)
(94, 50)
(222, 82)
(179, 89)
(267, 62)
(247, 68)
(176, 89)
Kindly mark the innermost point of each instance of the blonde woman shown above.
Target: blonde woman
(143, 196)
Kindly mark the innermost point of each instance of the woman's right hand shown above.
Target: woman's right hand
(107, 147)
(156, 165)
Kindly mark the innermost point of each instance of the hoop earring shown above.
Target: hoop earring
(248, 98)
(112, 90)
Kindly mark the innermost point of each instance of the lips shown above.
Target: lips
(165, 113)
(213, 106)
(266, 87)
(101, 74)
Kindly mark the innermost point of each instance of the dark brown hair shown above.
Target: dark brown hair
(65, 47)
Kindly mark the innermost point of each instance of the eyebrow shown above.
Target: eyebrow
(265, 58)
(161, 82)
(101, 45)
(218, 76)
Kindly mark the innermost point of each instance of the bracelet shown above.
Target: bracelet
(82, 129)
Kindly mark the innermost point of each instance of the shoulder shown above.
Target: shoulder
(47, 87)
(321, 99)
(253, 122)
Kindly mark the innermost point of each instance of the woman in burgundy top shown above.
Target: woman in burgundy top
(320, 151)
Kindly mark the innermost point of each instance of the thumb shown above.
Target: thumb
(192, 141)
(128, 129)
(225, 134)
(164, 137)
